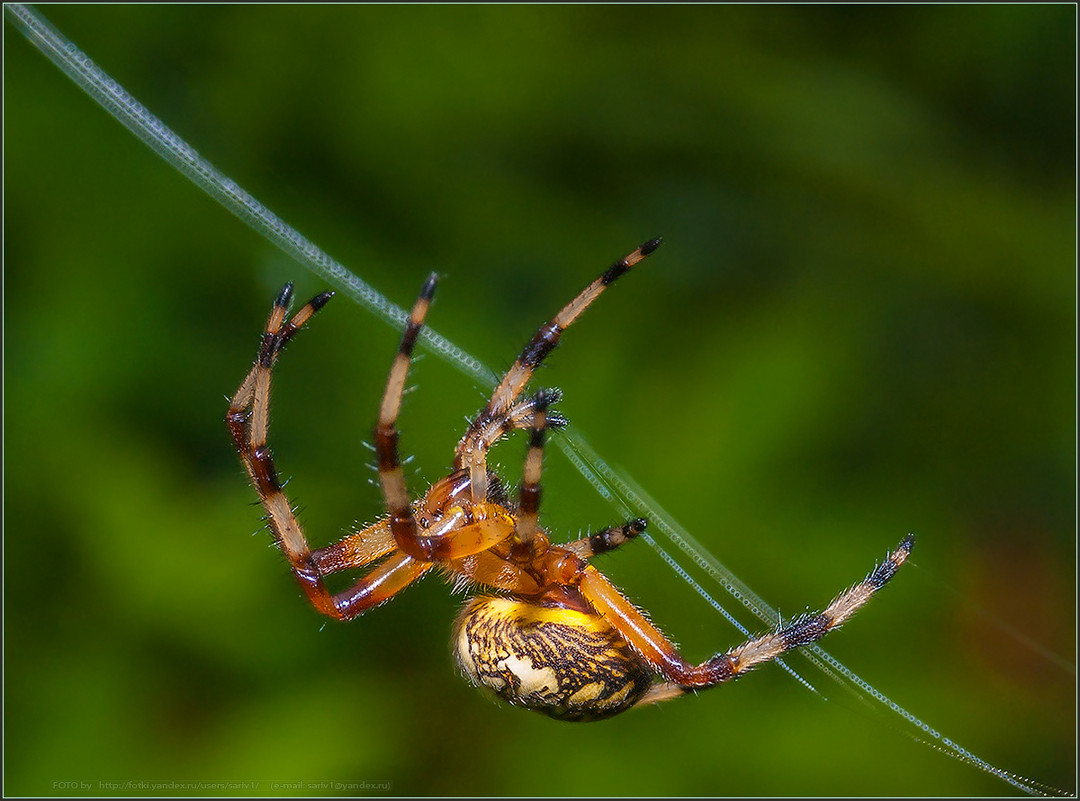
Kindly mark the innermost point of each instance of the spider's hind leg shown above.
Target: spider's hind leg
(810, 628)
(659, 652)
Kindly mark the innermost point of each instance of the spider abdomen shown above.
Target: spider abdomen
(564, 663)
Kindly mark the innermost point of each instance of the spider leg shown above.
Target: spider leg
(402, 522)
(276, 335)
(460, 535)
(607, 540)
(496, 567)
(678, 674)
(359, 549)
(510, 565)
(530, 491)
(519, 416)
(248, 421)
(490, 422)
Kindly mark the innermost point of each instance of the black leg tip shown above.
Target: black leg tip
(651, 245)
(285, 295)
(546, 397)
(321, 300)
(556, 421)
(429, 286)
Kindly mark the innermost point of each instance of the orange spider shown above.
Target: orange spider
(558, 638)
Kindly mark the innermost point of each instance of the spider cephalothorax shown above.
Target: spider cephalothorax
(555, 636)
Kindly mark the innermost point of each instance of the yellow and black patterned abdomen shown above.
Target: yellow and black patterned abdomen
(567, 664)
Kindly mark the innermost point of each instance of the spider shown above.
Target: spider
(554, 635)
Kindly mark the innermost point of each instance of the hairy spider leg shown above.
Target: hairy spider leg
(497, 567)
(607, 540)
(458, 531)
(530, 491)
(248, 420)
(490, 423)
(398, 503)
(512, 565)
(519, 416)
(450, 538)
(679, 675)
(273, 341)
(358, 549)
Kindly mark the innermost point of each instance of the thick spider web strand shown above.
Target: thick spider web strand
(167, 144)
(175, 150)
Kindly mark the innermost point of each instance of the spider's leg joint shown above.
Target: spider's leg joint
(622, 265)
(542, 343)
(268, 348)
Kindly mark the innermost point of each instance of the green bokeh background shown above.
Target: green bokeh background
(861, 324)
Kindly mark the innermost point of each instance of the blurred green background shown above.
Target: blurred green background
(861, 324)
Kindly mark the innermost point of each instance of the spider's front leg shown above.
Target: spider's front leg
(501, 415)
(248, 420)
(276, 335)
(402, 522)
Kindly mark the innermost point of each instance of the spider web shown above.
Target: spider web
(617, 488)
